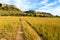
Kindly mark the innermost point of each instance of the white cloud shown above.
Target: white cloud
(48, 5)
(42, 10)
(4, 1)
(58, 0)
(56, 11)
(44, 2)
(24, 4)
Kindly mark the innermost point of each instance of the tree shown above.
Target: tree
(32, 12)
(56, 15)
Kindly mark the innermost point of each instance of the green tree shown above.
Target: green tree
(32, 12)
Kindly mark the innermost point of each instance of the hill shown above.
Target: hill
(39, 14)
(9, 10)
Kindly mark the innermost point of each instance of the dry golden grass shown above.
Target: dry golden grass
(29, 32)
(8, 27)
(47, 28)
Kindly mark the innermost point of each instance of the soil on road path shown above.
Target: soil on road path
(19, 31)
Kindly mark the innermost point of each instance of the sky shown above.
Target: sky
(51, 6)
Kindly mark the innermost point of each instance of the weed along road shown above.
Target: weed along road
(19, 32)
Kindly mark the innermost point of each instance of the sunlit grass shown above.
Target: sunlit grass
(47, 28)
(29, 32)
(8, 27)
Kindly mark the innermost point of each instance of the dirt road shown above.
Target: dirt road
(19, 32)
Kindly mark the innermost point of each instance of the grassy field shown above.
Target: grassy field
(8, 27)
(29, 32)
(34, 28)
(47, 28)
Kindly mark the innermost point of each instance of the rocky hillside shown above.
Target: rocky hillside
(9, 10)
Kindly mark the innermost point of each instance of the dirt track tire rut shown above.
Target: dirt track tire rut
(19, 32)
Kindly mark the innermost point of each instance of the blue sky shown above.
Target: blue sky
(51, 6)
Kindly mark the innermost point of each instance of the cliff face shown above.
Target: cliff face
(3, 5)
